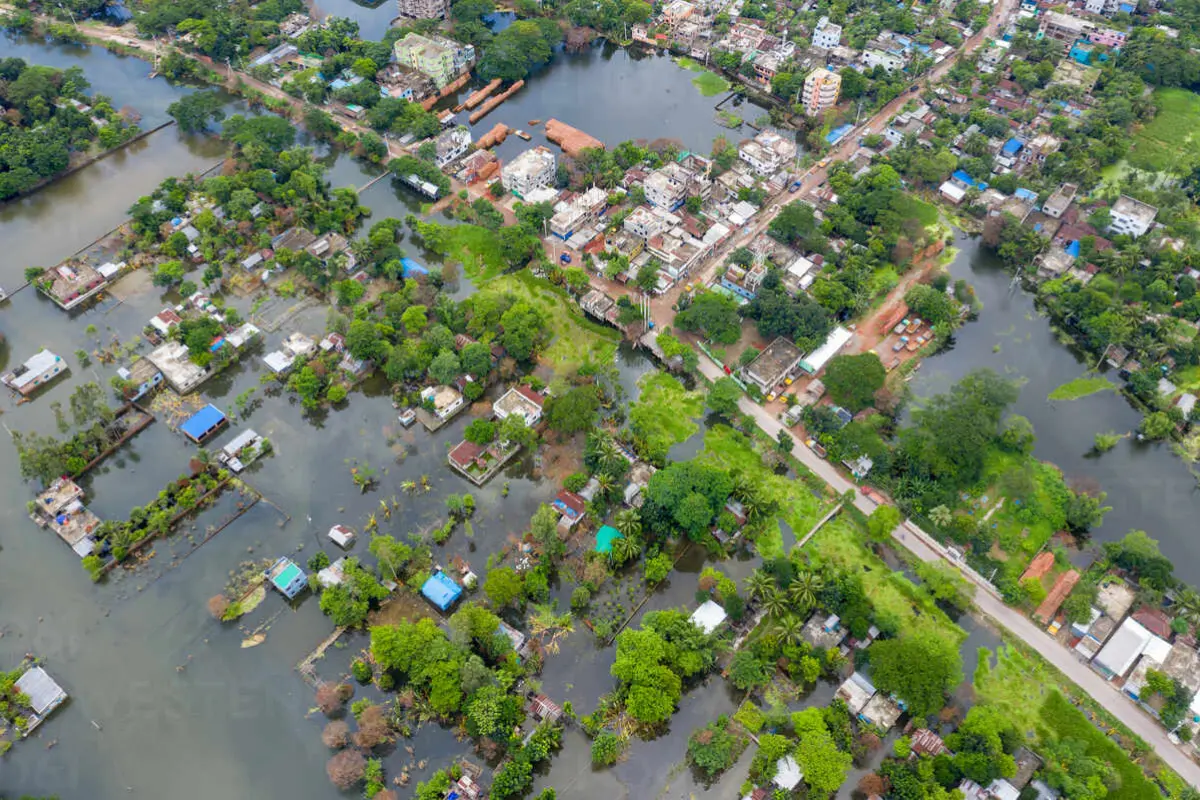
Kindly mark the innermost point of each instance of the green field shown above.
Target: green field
(799, 507)
(908, 206)
(575, 340)
(840, 542)
(708, 82)
(665, 413)
(1023, 689)
(1169, 141)
(1081, 387)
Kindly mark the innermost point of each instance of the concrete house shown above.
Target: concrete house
(38, 370)
(534, 169)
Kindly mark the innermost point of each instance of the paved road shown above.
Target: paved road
(988, 601)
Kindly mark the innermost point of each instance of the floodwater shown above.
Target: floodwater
(1148, 486)
(161, 694)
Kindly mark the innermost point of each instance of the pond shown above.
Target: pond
(1148, 486)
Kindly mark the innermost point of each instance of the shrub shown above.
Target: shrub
(361, 670)
(580, 598)
(575, 482)
(606, 749)
(336, 734)
(346, 769)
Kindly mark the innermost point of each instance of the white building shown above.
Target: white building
(878, 58)
(1131, 217)
(534, 169)
(581, 211)
(644, 223)
(451, 144)
(821, 90)
(1122, 649)
(667, 187)
(826, 35)
(767, 153)
(446, 400)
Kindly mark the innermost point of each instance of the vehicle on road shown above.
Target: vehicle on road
(565, 258)
(823, 163)
(813, 445)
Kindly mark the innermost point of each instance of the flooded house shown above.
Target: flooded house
(40, 369)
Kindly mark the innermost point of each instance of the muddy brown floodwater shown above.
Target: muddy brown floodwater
(180, 708)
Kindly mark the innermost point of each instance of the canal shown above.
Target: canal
(1149, 487)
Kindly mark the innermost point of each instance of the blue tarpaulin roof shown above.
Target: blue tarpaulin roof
(441, 590)
(835, 135)
(202, 422)
(1012, 146)
(962, 177)
(1126, 8)
(412, 268)
(1073, 249)
(1026, 194)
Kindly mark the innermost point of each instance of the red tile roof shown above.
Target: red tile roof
(1154, 620)
(465, 453)
(529, 394)
(1062, 587)
(1041, 564)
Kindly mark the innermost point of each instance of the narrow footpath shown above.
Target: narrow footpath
(987, 600)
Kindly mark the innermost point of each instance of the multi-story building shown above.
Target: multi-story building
(644, 223)
(1057, 203)
(766, 67)
(1131, 217)
(821, 90)
(451, 144)
(667, 187)
(423, 9)
(534, 169)
(1064, 29)
(767, 153)
(677, 11)
(826, 35)
(439, 58)
(581, 211)
(1107, 37)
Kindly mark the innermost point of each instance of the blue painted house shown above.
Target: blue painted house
(287, 578)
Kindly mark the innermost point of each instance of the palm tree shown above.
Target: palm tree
(625, 549)
(802, 591)
(549, 626)
(789, 629)
(605, 484)
(629, 523)
(776, 603)
(1189, 606)
(758, 584)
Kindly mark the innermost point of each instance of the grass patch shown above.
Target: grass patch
(910, 207)
(799, 507)
(1081, 387)
(1026, 692)
(708, 82)
(665, 412)
(1169, 139)
(840, 542)
(475, 247)
(575, 340)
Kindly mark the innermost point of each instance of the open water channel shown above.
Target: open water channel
(179, 706)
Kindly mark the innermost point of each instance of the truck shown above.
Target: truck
(795, 187)
(565, 258)
(815, 446)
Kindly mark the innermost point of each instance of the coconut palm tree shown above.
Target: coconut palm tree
(1189, 606)
(605, 484)
(802, 591)
(788, 629)
(759, 584)
(625, 549)
(549, 626)
(629, 522)
(776, 603)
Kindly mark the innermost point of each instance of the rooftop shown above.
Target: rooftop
(441, 590)
(1128, 207)
(44, 694)
(709, 616)
(774, 362)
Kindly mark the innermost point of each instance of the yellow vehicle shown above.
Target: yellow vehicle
(824, 163)
(787, 381)
(771, 397)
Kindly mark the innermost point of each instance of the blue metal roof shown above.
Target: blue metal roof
(441, 590)
(202, 422)
(1012, 146)
(1026, 194)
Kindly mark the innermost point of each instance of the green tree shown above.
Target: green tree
(503, 586)
(919, 667)
(714, 315)
(883, 520)
(480, 432)
(824, 766)
(194, 112)
(747, 671)
(445, 367)
(574, 410)
(853, 380)
(723, 397)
